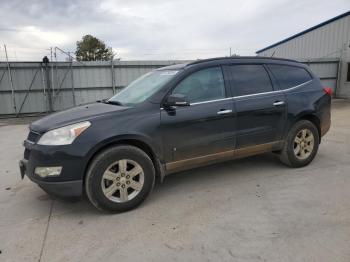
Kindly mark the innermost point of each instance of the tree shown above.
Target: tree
(91, 48)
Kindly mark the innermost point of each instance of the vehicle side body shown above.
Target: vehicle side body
(181, 138)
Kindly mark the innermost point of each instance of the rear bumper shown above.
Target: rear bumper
(325, 114)
(326, 125)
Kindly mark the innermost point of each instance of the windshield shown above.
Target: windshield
(143, 87)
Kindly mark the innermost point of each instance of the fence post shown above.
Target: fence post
(10, 81)
(72, 80)
(44, 88)
(49, 93)
(52, 70)
(113, 76)
(337, 85)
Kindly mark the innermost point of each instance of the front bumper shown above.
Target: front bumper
(69, 183)
(60, 189)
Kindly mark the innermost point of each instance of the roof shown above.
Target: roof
(173, 67)
(225, 60)
(237, 58)
(304, 32)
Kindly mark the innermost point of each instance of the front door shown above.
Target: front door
(203, 131)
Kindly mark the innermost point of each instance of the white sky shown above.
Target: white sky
(157, 29)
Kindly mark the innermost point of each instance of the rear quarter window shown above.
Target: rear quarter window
(289, 76)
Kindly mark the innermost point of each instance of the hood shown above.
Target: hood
(74, 115)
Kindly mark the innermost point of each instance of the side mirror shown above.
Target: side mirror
(176, 100)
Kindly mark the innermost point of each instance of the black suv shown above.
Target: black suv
(176, 118)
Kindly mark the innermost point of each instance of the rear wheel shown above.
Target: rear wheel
(301, 144)
(120, 178)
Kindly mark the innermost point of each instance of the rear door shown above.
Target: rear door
(260, 109)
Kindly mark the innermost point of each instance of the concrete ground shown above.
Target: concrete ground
(253, 209)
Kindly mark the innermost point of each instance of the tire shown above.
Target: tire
(105, 175)
(297, 150)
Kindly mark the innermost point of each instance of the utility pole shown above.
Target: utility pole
(10, 81)
(230, 51)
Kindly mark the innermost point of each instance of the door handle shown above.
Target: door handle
(224, 112)
(278, 103)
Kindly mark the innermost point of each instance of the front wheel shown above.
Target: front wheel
(120, 178)
(301, 144)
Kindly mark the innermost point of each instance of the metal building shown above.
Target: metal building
(325, 47)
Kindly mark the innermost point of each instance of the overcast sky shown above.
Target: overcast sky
(158, 29)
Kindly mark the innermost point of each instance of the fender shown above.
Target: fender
(132, 139)
(310, 115)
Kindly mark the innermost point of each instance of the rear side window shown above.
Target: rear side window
(289, 76)
(250, 79)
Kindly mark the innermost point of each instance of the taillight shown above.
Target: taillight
(328, 91)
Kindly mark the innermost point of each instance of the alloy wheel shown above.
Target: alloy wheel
(122, 181)
(303, 144)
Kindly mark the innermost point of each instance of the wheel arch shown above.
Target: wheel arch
(132, 140)
(313, 118)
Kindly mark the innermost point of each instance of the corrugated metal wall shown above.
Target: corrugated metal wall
(329, 43)
(71, 84)
(326, 41)
(25, 76)
(326, 70)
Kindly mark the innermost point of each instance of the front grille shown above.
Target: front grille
(33, 136)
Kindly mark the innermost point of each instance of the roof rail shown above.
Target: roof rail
(238, 57)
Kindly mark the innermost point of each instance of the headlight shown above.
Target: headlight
(63, 135)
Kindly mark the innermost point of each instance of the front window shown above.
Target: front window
(204, 85)
(143, 87)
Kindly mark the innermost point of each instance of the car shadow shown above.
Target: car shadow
(227, 172)
(248, 168)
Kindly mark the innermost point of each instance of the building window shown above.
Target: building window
(348, 74)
